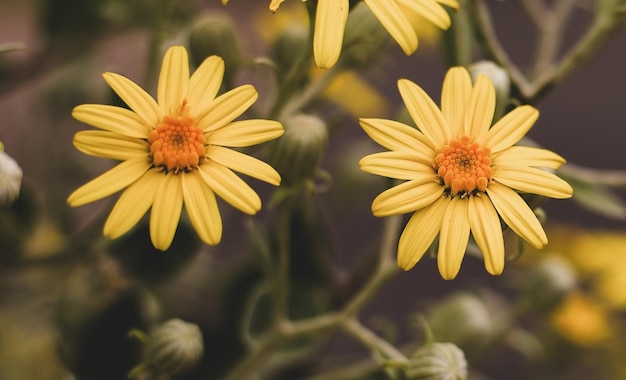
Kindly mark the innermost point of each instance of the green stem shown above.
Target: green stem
(159, 35)
(371, 340)
(281, 286)
(462, 36)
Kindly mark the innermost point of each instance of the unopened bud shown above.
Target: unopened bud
(548, 283)
(501, 82)
(437, 361)
(174, 347)
(364, 38)
(10, 179)
(296, 155)
(289, 48)
(214, 34)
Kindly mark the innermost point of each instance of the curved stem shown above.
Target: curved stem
(369, 339)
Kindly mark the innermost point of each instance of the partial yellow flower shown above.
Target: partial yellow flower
(462, 174)
(395, 15)
(174, 150)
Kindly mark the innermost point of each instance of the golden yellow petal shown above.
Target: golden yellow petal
(246, 133)
(532, 180)
(406, 197)
(516, 214)
(394, 135)
(173, 80)
(396, 23)
(166, 210)
(457, 87)
(453, 238)
(205, 83)
(230, 187)
(110, 145)
(528, 156)
(425, 113)
(451, 3)
(487, 232)
(114, 119)
(112, 181)
(420, 232)
(274, 4)
(226, 108)
(135, 97)
(510, 129)
(430, 10)
(330, 23)
(132, 205)
(399, 165)
(480, 108)
(244, 164)
(201, 206)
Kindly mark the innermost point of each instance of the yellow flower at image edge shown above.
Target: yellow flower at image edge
(395, 15)
(175, 150)
(462, 174)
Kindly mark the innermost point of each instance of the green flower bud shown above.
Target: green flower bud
(289, 48)
(548, 282)
(437, 361)
(10, 179)
(364, 38)
(463, 319)
(501, 82)
(214, 34)
(174, 347)
(296, 155)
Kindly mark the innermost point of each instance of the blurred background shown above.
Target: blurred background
(68, 296)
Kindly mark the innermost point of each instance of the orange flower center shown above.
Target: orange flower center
(176, 143)
(464, 167)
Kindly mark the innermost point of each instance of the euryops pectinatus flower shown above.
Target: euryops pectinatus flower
(462, 174)
(174, 150)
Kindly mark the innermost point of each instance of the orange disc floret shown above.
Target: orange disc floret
(464, 167)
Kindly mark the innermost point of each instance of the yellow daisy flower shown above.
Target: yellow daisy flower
(395, 15)
(461, 174)
(174, 150)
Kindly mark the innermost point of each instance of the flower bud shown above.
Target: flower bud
(296, 155)
(364, 38)
(501, 82)
(437, 361)
(463, 319)
(10, 179)
(289, 48)
(174, 347)
(214, 34)
(548, 283)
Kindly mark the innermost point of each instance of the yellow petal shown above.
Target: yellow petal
(420, 232)
(246, 133)
(510, 129)
(244, 164)
(201, 207)
(110, 145)
(205, 83)
(394, 135)
(173, 80)
(114, 119)
(399, 165)
(132, 204)
(230, 187)
(226, 107)
(487, 232)
(406, 197)
(135, 97)
(274, 4)
(330, 23)
(396, 23)
(457, 87)
(480, 109)
(455, 229)
(166, 210)
(532, 180)
(451, 3)
(430, 10)
(425, 113)
(112, 181)
(516, 214)
(528, 156)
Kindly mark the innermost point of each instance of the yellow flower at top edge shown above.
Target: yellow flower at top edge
(461, 174)
(395, 15)
(175, 151)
